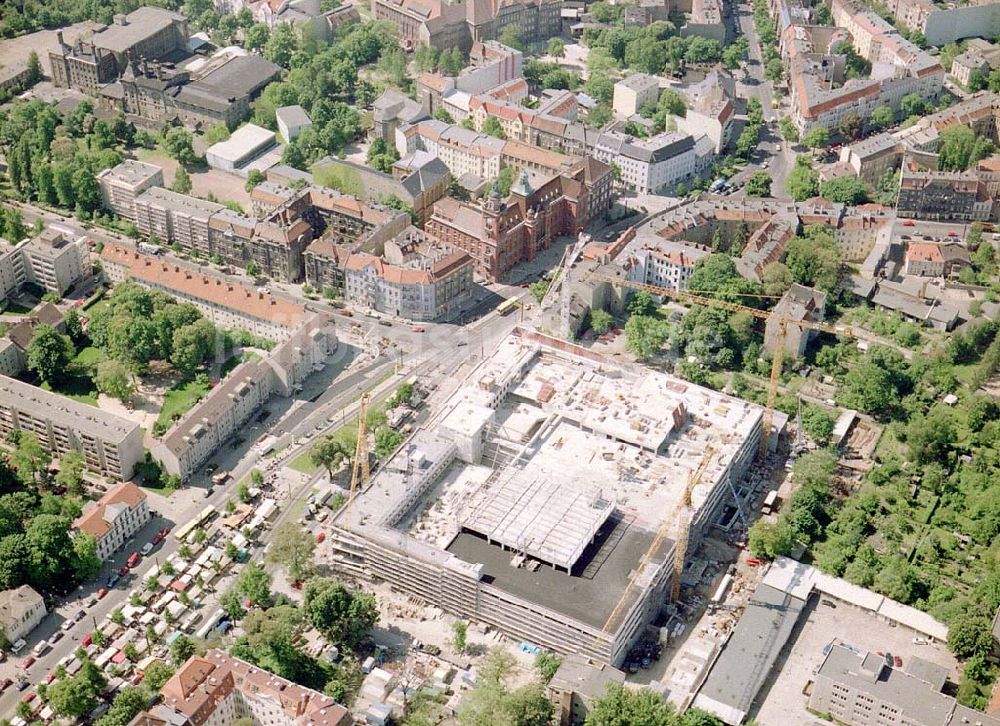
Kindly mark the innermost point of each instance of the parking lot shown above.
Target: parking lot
(781, 701)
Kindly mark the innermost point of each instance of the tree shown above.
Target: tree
(29, 458)
(387, 441)
(759, 184)
(881, 118)
(767, 540)
(157, 673)
(128, 703)
(621, 706)
(969, 635)
(803, 181)
(774, 71)
(459, 630)
(255, 584)
(70, 474)
(49, 353)
(645, 335)
(329, 452)
(181, 649)
(547, 664)
(492, 702)
(912, 105)
(814, 258)
(642, 303)
(72, 697)
(113, 379)
(788, 130)
(960, 148)
(818, 137)
(254, 177)
(601, 321)
(492, 127)
(343, 616)
(232, 604)
(255, 37)
(292, 548)
(556, 47)
(34, 70)
(844, 190)
(182, 181)
(850, 126)
(818, 424)
(178, 143)
(777, 278)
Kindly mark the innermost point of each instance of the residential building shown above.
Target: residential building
(927, 259)
(491, 65)
(416, 278)
(800, 303)
(821, 94)
(245, 144)
(634, 92)
(649, 166)
(172, 217)
(979, 56)
(220, 690)
(943, 196)
(115, 518)
(576, 684)
(652, 260)
(946, 22)
(871, 158)
(21, 610)
(148, 32)
(864, 689)
(12, 274)
(54, 261)
(227, 304)
(710, 109)
(292, 121)
(111, 445)
(501, 233)
(121, 185)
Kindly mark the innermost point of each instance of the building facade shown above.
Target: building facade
(115, 518)
(122, 184)
(56, 262)
(111, 445)
(800, 303)
(21, 610)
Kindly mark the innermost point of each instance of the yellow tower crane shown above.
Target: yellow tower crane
(360, 471)
(684, 516)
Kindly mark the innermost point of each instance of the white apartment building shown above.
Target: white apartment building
(111, 445)
(634, 92)
(12, 274)
(649, 166)
(122, 184)
(655, 261)
(462, 150)
(173, 217)
(115, 518)
(21, 610)
(55, 261)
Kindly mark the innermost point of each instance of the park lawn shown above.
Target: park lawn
(303, 462)
(178, 401)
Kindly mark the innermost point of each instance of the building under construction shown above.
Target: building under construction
(538, 499)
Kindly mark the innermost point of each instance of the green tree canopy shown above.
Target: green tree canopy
(344, 616)
(49, 353)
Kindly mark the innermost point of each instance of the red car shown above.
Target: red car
(5, 684)
(157, 538)
(102, 592)
(28, 662)
(29, 697)
(320, 537)
(123, 571)
(87, 639)
(50, 677)
(137, 678)
(134, 559)
(164, 532)
(418, 329)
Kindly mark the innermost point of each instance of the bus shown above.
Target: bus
(508, 306)
(204, 516)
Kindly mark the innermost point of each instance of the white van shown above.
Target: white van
(18, 646)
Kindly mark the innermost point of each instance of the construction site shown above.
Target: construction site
(551, 494)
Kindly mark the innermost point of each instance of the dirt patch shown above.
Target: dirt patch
(15, 50)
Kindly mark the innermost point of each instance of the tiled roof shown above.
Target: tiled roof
(94, 522)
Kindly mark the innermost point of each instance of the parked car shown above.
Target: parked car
(147, 548)
(114, 579)
(418, 329)
(157, 538)
(123, 571)
(102, 592)
(80, 615)
(28, 662)
(5, 684)
(67, 625)
(134, 559)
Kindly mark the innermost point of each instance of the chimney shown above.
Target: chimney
(59, 38)
(121, 19)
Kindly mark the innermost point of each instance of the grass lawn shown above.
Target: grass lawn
(303, 462)
(179, 401)
(89, 358)
(15, 309)
(79, 388)
(235, 360)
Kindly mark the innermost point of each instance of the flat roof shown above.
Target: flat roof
(246, 141)
(140, 24)
(64, 411)
(590, 592)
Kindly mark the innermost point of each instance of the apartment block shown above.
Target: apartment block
(649, 166)
(711, 110)
(946, 22)
(652, 260)
(54, 261)
(491, 64)
(122, 184)
(115, 518)
(175, 218)
(943, 196)
(416, 278)
(220, 690)
(111, 445)
(12, 274)
(21, 610)
(227, 304)
(634, 92)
